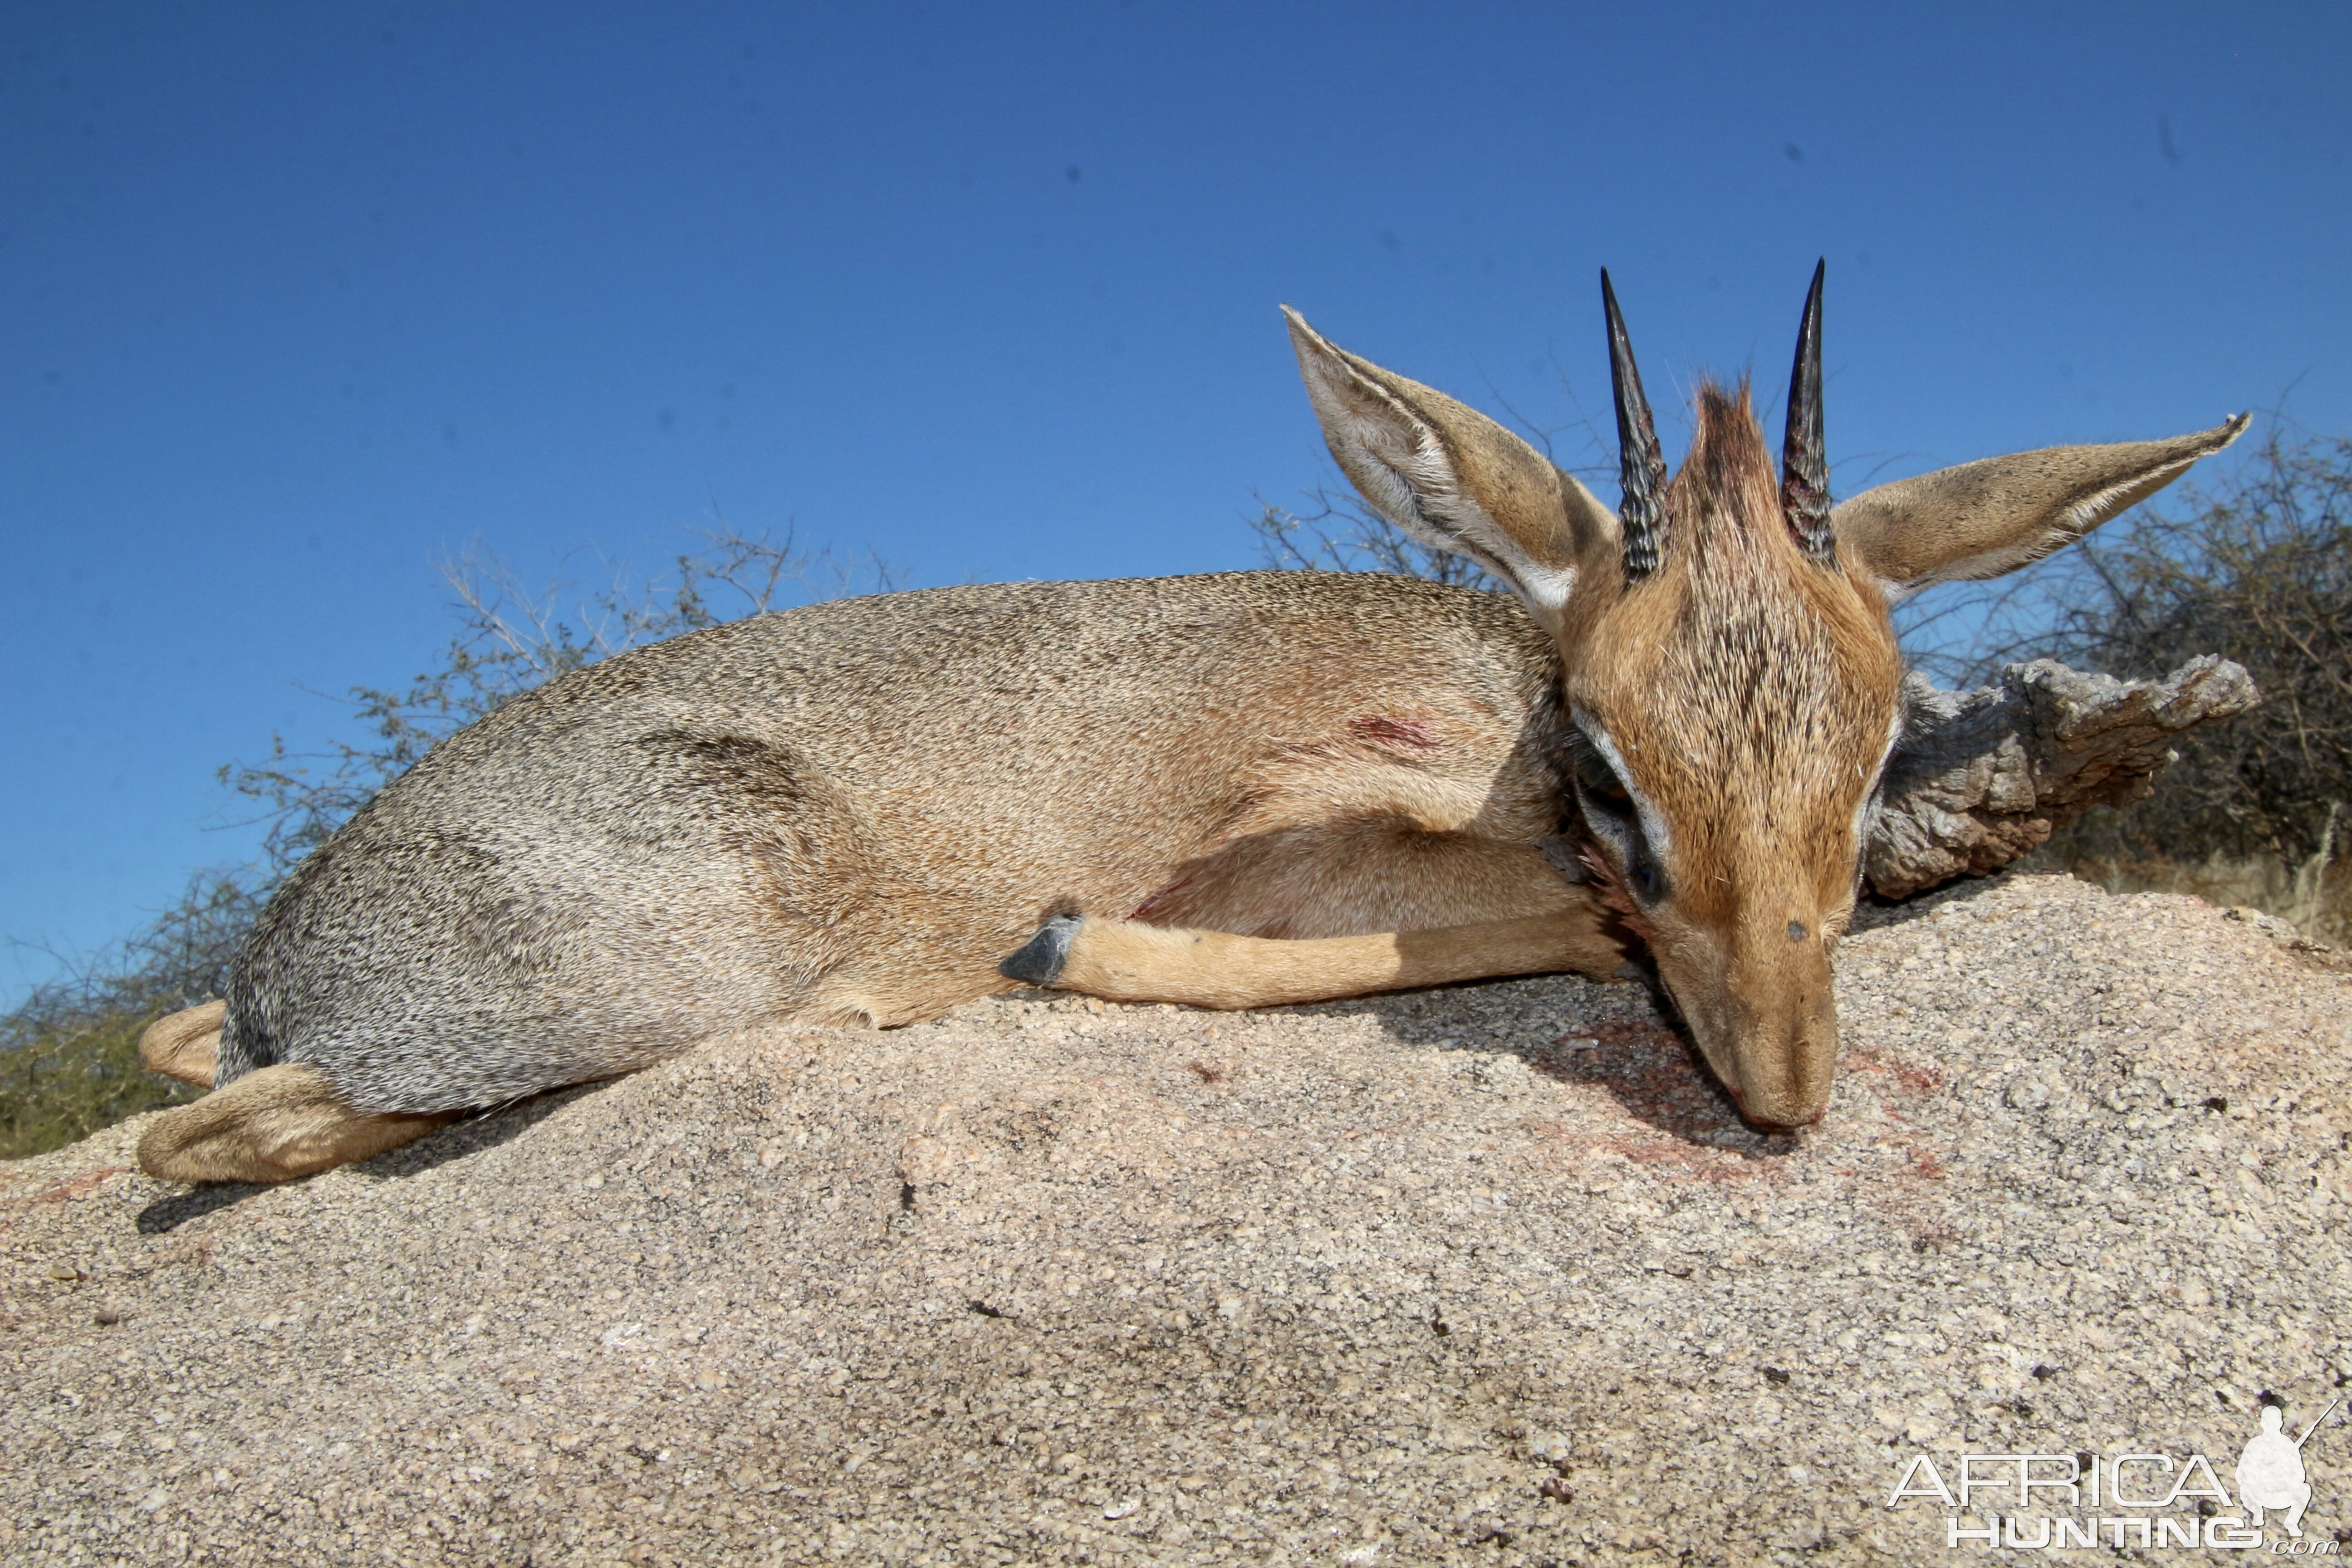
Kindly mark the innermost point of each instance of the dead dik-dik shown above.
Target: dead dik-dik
(1233, 790)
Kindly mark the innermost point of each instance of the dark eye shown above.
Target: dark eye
(1643, 874)
(1610, 811)
(1599, 783)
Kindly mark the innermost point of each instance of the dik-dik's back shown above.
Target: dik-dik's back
(852, 811)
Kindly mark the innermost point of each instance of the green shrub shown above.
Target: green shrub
(70, 1052)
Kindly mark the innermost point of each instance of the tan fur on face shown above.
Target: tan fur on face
(1749, 693)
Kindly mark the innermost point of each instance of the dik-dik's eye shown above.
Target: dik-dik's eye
(1597, 782)
(1642, 872)
(1610, 811)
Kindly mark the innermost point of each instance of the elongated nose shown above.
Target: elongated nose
(1782, 1015)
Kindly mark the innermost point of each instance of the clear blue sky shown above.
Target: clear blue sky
(297, 297)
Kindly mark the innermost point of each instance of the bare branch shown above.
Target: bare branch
(1342, 535)
(1984, 777)
(509, 640)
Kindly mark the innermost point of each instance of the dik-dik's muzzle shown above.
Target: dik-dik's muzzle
(1767, 1023)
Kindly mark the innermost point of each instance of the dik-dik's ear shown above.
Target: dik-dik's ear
(1453, 478)
(1993, 516)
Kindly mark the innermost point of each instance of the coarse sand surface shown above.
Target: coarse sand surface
(1489, 1274)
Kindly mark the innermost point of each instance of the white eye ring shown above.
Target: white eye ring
(1654, 826)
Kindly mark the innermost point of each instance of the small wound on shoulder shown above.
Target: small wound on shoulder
(1796, 930)
(1395, 734)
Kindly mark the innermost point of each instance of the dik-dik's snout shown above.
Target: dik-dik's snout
(1766, 1021)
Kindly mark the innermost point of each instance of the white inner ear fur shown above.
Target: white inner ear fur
(2049, 539)
(1408, 478)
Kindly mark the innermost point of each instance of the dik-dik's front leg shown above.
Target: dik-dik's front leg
(1127, 961)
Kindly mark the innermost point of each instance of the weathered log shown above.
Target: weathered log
(1983, 777)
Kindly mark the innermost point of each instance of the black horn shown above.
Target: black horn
(1641, 465)
(1804, 460)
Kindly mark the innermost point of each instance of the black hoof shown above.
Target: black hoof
(1041, 958)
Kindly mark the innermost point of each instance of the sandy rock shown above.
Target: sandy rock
(1484, 1275)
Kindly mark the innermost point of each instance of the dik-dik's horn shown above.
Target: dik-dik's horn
(1804, 461)
(1641, 465)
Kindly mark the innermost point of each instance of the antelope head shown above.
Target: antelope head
(1727, 670)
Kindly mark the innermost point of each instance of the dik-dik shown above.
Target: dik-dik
(1234, 790)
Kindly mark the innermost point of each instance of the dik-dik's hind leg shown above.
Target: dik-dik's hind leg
(1127, 961)
(185, 1045)
(272, 1125)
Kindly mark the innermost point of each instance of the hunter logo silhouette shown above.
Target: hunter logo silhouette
(2270, 1471)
